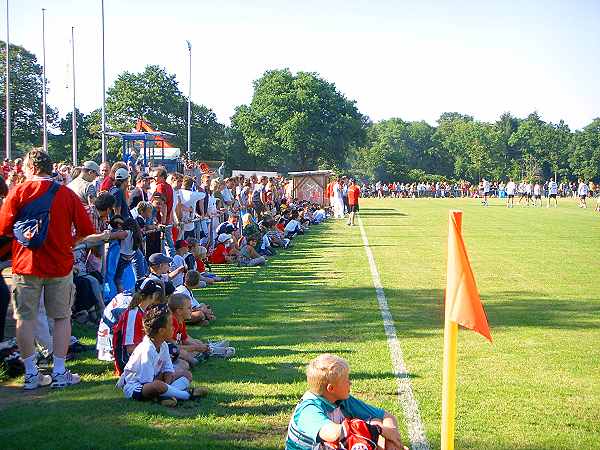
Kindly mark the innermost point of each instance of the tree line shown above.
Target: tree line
(302, 122)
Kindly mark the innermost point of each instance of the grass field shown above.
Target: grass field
(536, 387)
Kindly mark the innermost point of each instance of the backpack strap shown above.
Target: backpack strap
(43, 202)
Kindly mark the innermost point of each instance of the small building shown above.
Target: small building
(311, 185)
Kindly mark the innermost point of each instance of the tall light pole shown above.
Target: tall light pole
(7, 78)
(45, 131)
(189, 124)
(104, 158)
(74, 124)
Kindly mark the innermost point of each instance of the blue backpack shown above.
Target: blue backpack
(31, 227)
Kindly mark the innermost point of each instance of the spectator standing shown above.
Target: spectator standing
(49, 267)
(353, 196)
(85, 184)
(164, 188)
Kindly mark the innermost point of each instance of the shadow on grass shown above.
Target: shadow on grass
(278, 318)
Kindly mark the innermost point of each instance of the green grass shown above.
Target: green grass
(536, 387)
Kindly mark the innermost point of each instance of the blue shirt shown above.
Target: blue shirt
(313, 412)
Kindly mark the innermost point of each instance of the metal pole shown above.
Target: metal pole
(74, 108)
(189, 123)
(45, 131)
(104, 158)
(7, 78)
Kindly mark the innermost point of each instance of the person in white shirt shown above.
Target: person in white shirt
(149, 373)
(552, 193)
(582, 192)
(182, 248)
(338, 200)
(510, 193)
(486, 191)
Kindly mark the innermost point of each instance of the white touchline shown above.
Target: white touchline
(416, 430)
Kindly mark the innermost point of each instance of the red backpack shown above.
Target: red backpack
(358, 435)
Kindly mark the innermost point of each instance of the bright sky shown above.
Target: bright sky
(408, 59)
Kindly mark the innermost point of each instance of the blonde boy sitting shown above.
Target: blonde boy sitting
(317, 419)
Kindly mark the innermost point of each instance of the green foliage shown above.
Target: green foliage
(25, 98)
(299, 121)
(584, 159)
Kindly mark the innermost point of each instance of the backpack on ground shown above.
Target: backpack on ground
(31, 227)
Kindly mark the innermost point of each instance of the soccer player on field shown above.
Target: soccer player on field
(510, 192)
(552, 193)
(582, 192)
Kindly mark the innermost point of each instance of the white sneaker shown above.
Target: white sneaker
(36, 380)
(222, 352)
(61, 380)
(223, 343)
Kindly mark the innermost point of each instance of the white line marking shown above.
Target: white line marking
(416, 430)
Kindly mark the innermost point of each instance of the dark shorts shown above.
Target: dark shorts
(137, 394)
(529, 195)
(552, 195)
(583, 197)
(511, 196)
(537, 197)
(353, 208)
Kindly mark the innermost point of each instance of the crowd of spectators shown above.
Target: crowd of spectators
(126, 250)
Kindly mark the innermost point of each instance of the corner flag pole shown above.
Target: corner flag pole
(462, 307)
(450, 355)
(449, 382)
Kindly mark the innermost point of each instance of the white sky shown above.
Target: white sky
(408, 59)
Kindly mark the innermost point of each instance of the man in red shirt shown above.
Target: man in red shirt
(48, 268)
(353, 196)
(160, 177)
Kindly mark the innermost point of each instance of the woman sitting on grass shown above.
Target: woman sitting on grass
(149, 373)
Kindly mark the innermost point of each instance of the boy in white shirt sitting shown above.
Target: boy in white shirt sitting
(149, 373)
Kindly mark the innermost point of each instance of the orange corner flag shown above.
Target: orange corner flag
(463, 304)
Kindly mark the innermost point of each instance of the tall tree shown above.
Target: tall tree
(25, 98)
(584, 159)
(154, 95)
(299, 121)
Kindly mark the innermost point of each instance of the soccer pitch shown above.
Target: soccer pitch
(536, 387)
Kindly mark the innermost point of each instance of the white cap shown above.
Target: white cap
(224, 237)
(121, 174)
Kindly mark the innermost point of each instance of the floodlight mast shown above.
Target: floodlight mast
(74, 118)
(189, 121)
(44, 121)
(7, 78)
(104, 156)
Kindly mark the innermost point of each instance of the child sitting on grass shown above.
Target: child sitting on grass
(160, 270)
(190, 349)
(149, 373)
(129, 331)
(201, 312)
(200, 255)
(249, 256)
(318, 417)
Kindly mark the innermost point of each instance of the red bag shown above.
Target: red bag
(357, 435)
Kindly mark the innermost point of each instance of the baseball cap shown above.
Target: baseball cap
(181, 243)
(148, 286)
(143, 176)
(224, 237)
(158, 258)
(121, 174)
(91, 165)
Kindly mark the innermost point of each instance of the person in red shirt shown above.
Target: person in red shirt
(181, 309)
(160, 177)
(109, 181)
(353, 196)
(129, 331)
(49, 267)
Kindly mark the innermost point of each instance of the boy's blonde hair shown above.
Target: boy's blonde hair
(323, 370)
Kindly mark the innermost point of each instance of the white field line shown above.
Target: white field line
(410, 407)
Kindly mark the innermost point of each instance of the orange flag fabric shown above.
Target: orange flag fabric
(463, 304)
